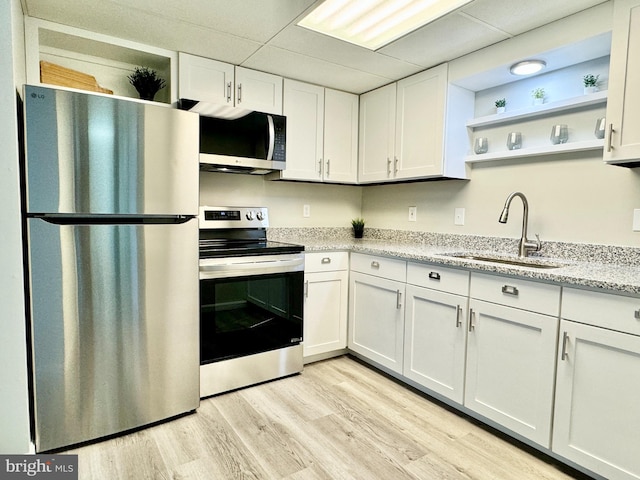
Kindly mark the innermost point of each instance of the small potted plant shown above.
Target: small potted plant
(538, 95)
(358, 227)
(146, 82)
(501, 105)
(590, 83)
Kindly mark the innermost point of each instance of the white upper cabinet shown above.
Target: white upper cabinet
(322, 134)
(404, 129)
(210, 81)
(377, 134)
(622, 142)
(340, 136)
(420, 113)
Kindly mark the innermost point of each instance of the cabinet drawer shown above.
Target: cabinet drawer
(604, 310)
(390, 268)
(326, 261)
(445, 279)
(515, 292)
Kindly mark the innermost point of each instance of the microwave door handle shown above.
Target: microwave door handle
(272, 137)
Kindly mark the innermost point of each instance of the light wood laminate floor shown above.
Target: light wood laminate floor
(339, 419)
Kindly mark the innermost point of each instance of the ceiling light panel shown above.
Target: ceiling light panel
(375, 23)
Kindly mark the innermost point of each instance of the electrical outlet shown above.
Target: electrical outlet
(413, 214)
(636, 220)
(306, 211)
(458, 216)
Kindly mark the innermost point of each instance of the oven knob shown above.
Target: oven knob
(249, 215)
(259, 216)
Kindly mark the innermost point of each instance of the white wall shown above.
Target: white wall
(14, 411)
(331, 205)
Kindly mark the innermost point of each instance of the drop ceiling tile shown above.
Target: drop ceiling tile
(301, 40)
(443, 40)
(524, 15)
(313, 70)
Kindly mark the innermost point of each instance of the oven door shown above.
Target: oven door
(250, 305)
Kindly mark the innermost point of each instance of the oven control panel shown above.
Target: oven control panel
(233, 217)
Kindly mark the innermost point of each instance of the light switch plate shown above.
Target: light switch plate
(458, 216)
(306, 211)
(413, 214)
(636, 220)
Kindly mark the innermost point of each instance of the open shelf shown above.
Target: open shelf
(538, 110)
(537, 151)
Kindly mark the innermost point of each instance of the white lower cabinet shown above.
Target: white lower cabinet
(511, 358)
(376, 310)
(597, 417)
(435, 334)
(325, 302)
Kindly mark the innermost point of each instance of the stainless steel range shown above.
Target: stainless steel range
(251, 301)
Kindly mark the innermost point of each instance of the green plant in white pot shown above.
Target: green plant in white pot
(538, 95)
(590, 83)
(501, 105)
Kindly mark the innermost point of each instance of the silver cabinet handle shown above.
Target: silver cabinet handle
(328, 160)
(325, 260)
(388, 167)
(320, 167)
(434, 276)
(565, 340)
(510, 290)
(375, 264)
(458, 315)
(472, 317)
(610, 138)
(306, 289)
(239, 99)
(228, 92)
(398, 299)
(395, 167)
(637, 314)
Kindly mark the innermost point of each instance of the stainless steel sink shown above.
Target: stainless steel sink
(518, 262)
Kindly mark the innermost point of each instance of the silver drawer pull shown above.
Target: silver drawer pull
(637, 314)
(375, 264)
(434, 275)
(325, 260)
(472, 317)
(398, 299)
(306, 289)
(458, 315)
(510, 290)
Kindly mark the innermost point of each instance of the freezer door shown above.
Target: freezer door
(115, 327)
(96, 154)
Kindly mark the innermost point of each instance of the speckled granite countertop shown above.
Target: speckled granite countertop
(600, 267)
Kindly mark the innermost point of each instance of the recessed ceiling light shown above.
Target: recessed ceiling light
(527, 67)
(375, 23)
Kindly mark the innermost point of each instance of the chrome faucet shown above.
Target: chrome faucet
(525, 244)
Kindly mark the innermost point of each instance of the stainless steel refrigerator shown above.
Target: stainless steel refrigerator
(111, 194)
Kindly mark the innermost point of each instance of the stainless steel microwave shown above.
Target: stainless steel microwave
(240, 141)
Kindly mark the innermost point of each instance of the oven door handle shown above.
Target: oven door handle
(233, 269)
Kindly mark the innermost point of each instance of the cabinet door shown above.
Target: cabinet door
(435, 340)
(420, 117)
(258, 91)
(597, 418)
(377, 134)
(304, 109)
(340, 137)
(205, 80)
(623, 116)
(325, 312)
(510, 368)
(376, 313)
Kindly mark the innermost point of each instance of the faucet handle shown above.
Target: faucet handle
(538, 243)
